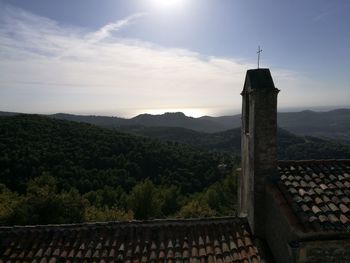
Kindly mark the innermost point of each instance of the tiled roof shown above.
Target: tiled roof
(318, 192)
(202, 240)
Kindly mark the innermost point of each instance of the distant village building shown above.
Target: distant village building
(290, 211)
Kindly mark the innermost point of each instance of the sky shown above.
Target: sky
(127, 57)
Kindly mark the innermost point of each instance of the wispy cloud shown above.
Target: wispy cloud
(48, 67)
(108, 29)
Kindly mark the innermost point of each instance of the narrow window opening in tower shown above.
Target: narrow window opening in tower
(246, 124)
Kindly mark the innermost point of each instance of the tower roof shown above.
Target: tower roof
(259, 79)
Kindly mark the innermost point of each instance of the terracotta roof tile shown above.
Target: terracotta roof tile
(318, 192)
(202, 240)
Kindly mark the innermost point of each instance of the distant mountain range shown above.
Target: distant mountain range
(333, 124)
(290, 146)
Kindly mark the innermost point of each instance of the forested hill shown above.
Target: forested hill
(334, 124)
(290, 146)
(58, 171)
(174, 119)
(88, 157)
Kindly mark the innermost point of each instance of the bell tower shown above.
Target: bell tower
(259, 145)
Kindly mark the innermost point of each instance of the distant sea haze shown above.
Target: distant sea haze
(190, 112)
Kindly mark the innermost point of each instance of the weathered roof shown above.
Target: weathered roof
(202, 240)
(318, 192)
(259, 79)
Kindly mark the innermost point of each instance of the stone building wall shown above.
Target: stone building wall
(259, 143)
(324, 251)
(278, 232)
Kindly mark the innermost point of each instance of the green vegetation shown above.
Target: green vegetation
(334, 124)
(55, 171)
(58, 171)
(290, 146)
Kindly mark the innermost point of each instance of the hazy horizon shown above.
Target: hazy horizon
(280, 110)
(129, 57)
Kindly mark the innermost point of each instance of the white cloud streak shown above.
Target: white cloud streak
(108, 29)
(47, 67)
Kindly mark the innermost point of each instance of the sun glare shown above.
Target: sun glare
(168, 4)
(192, 112)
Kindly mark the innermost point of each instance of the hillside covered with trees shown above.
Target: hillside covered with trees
(333, 124)
(290, 146)
(57, 171)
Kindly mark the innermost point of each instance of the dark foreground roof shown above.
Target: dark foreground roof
(318, 192)
(202, 240)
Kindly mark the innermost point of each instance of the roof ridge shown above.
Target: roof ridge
(316, 161)
(167, 221)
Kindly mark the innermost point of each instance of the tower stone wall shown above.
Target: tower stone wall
(259, 145)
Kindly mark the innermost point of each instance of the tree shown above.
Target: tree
(170, 200)
(144, 200)
(8, 202)
(95, 214)
(196, 208)
(42, 186)
(43, 205)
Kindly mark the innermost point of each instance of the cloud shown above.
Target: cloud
(48, 67)
(106, 30)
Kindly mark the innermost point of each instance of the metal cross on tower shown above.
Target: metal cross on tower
(258, 52)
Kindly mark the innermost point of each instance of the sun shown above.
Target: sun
(168, 4)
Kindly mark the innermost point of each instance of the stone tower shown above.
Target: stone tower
(259, 145)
